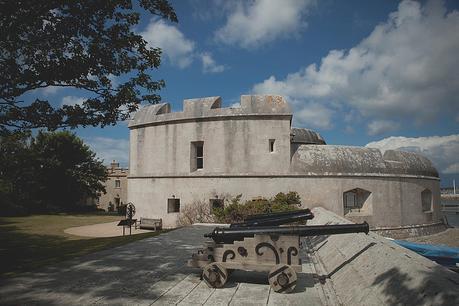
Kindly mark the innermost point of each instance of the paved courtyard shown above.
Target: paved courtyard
(153, 271)
(110, 229)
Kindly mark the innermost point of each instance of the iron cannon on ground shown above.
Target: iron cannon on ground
(262, 243)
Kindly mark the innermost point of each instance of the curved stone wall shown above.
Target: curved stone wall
(252, 150)
(393, 201)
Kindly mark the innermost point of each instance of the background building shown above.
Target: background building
(207, 152)
(116, 188)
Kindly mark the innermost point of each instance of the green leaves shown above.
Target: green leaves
(53, 171)
(235, 211)
(75, 44)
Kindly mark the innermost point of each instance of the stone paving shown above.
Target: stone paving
(153, 271)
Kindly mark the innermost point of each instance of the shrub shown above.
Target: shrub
(235, 211)
(195, 212)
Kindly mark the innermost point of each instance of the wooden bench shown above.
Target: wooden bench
(147, 223)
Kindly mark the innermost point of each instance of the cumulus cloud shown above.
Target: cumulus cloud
(441, 150)
(179, 50)
(406, 68)
(109, 149)
(209, 65)
(72, 100)
(252, 24)
(175, 46)
(316, 115)
(378, 127)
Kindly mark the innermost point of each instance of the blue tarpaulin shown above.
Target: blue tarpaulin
(443, 255)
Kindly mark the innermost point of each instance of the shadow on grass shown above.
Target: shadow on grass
(21, 252)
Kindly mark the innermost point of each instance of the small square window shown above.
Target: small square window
(271, 145)
(216, 203)
(173, 205)
(117, 184)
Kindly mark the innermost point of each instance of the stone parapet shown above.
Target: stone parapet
(210, 107)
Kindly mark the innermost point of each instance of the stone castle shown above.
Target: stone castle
(206, 152)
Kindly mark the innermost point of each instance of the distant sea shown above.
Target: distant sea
(452, 217)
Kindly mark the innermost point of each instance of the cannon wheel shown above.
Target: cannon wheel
(215, 275)
(282, 278)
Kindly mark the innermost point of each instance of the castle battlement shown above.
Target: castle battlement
(208, 107)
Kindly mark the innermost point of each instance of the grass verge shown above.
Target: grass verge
(28, 243)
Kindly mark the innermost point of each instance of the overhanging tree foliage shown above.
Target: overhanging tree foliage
(16, 172)
(80, 44)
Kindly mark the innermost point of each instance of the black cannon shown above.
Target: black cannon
(253, 246)
(229, 235)
(275, 218)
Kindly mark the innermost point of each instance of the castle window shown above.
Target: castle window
(117, 184)
(426, 198)
(197, 155)
(173, 205)
(216, 203)
(354, 200)
(271, 145)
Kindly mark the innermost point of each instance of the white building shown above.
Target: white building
(206, 151)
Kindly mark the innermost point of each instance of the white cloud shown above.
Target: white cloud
(441, 150)
(406, 68)
(178, 49)
(454, 168)
(254, 23)
(378, 127)
(175, 46)
(209, 65)
(315, 115)
(109, 149)
(50, 90)
(72, 100)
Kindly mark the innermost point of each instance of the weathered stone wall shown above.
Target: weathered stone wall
(231, 146)
(395, 201)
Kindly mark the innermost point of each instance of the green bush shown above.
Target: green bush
(235, 211)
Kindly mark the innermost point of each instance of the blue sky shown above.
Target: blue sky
(378, 73)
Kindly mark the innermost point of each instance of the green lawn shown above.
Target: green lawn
(27, 243)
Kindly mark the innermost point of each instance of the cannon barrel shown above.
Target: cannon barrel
(275, 218)
(229, 235)
(277, 214)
